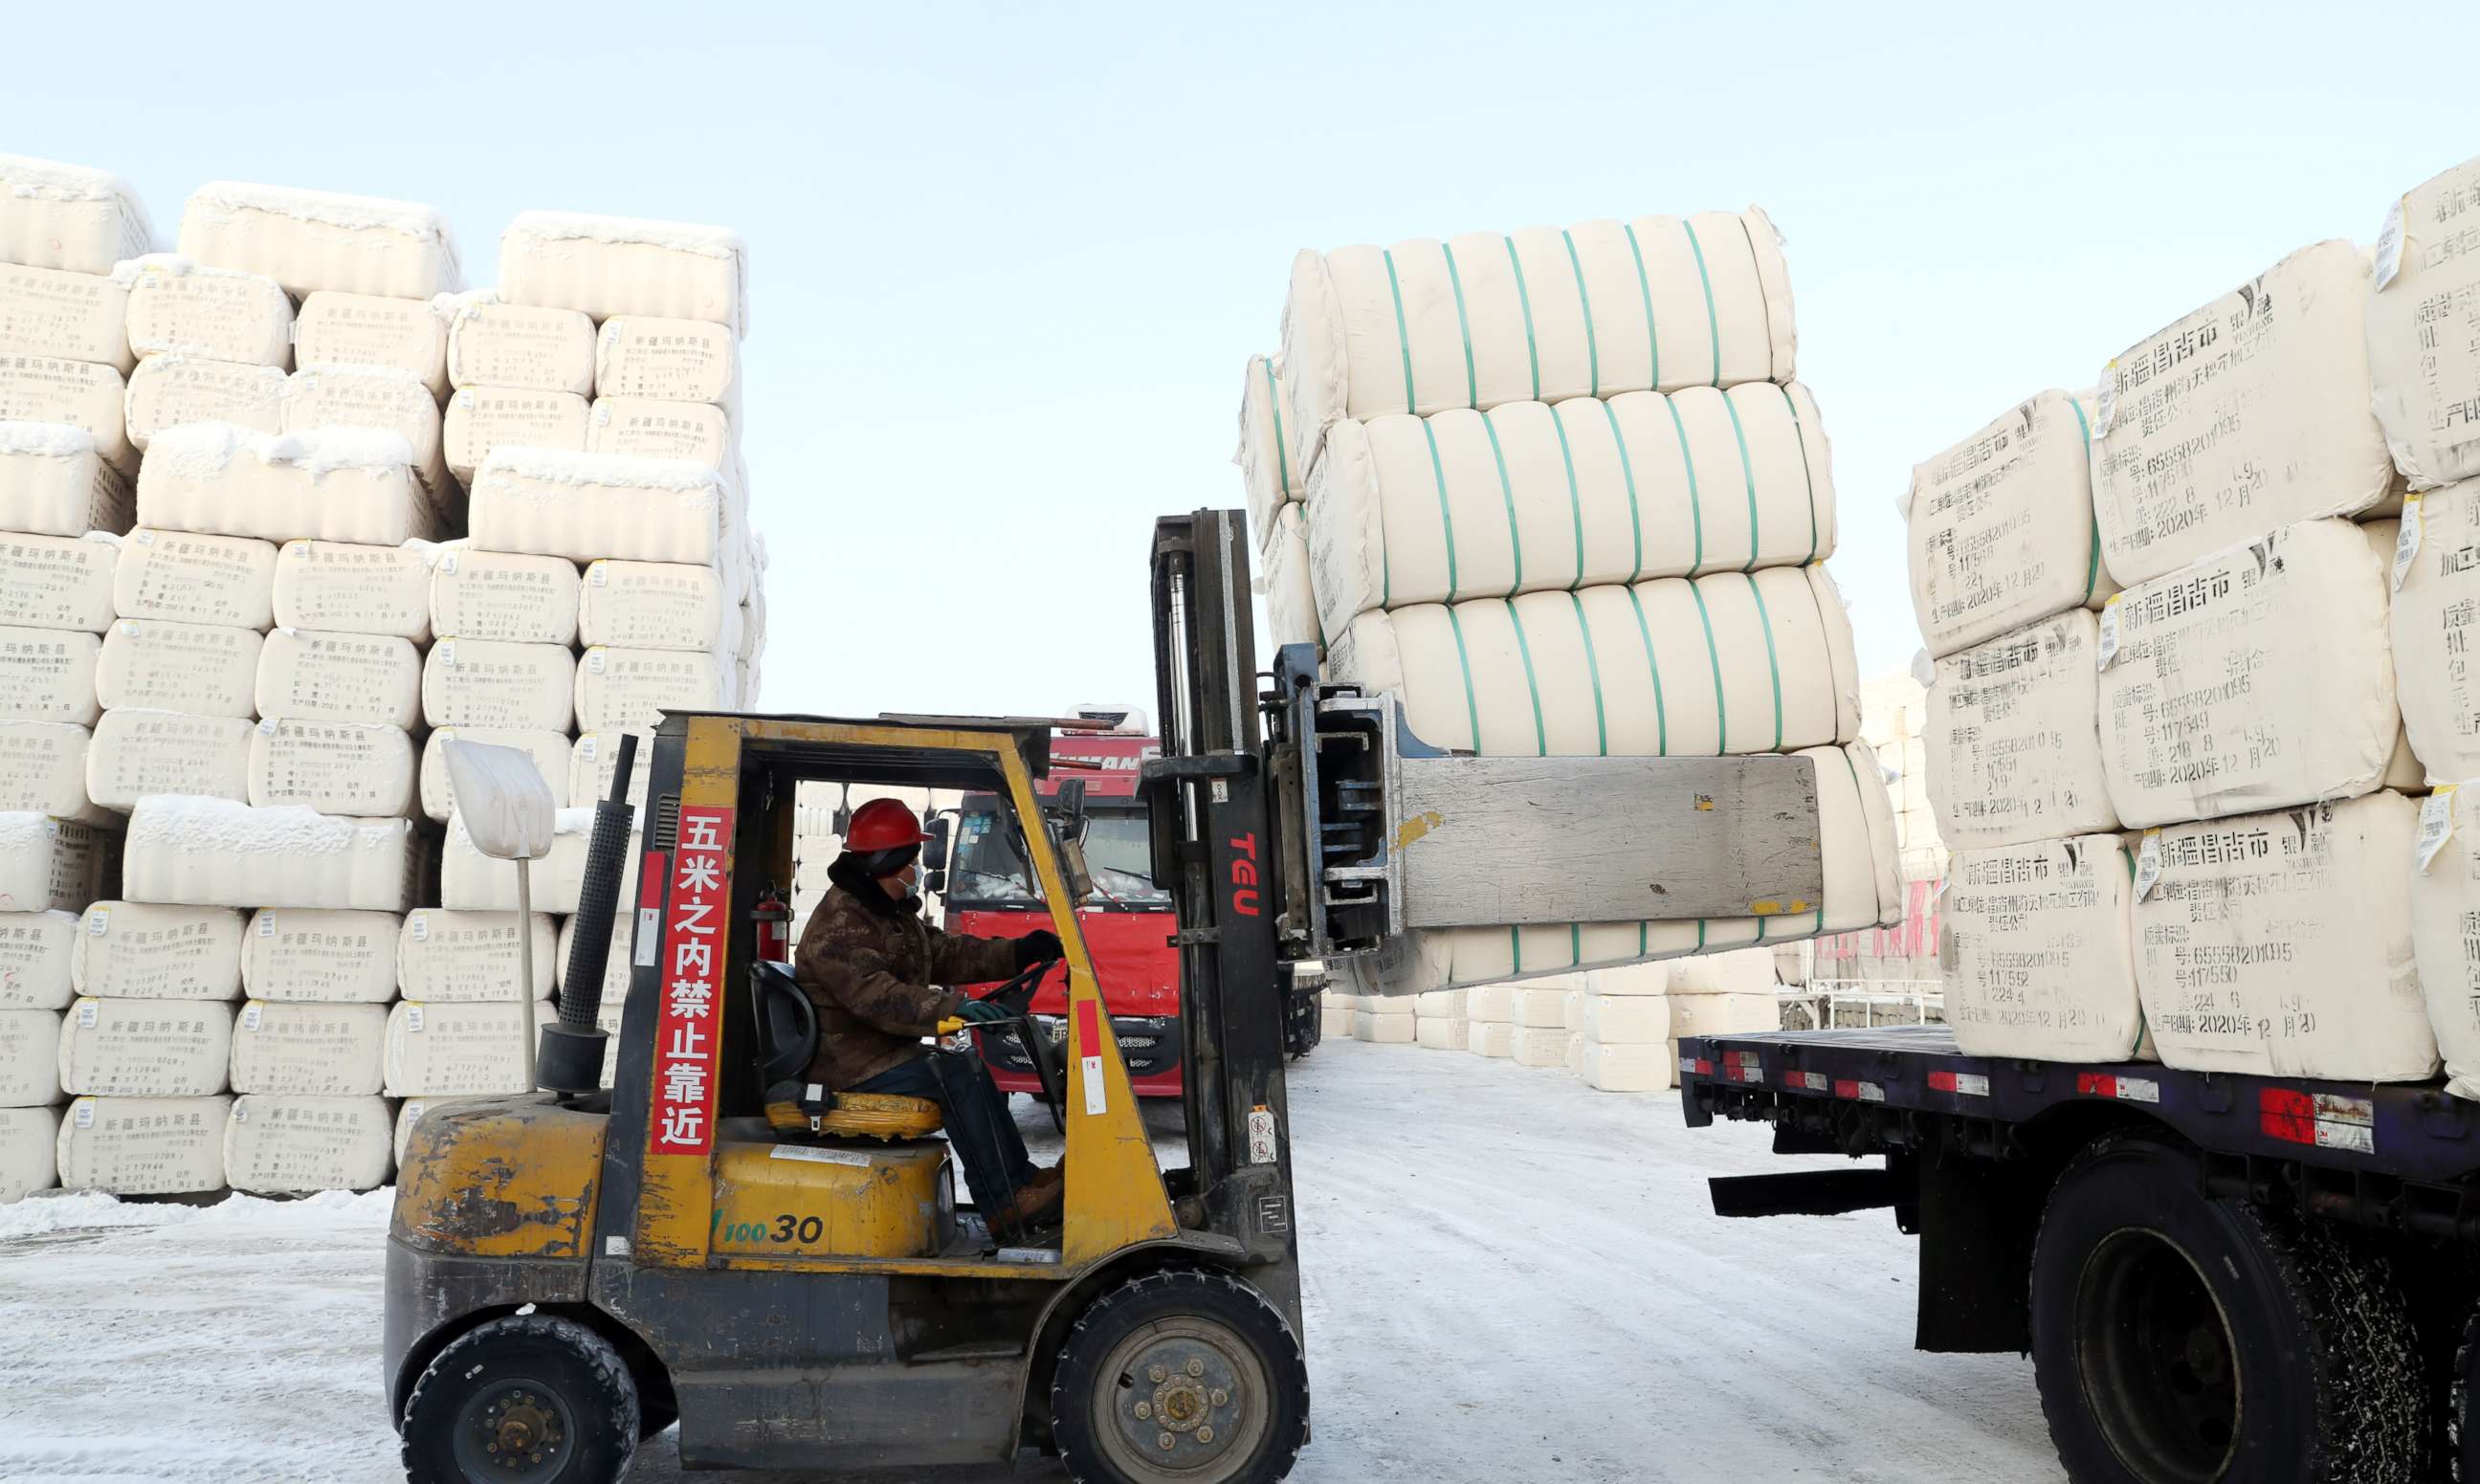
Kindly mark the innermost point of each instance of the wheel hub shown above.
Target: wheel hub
(2159, 1367)
(514, 1432)
(1182, 1406)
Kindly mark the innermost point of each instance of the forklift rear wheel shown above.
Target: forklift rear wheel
(1180, 1377)
(527, 1399)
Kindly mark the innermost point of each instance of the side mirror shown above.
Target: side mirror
(1070, 812)
(934, 881)
(1072, 862)
(933, 851)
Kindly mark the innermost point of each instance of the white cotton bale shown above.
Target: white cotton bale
(30, 1051)
(1538, 1046)
(483, 418)
(2283, 639)
(52, 482)
(78, 317)
(44, 770)
(47, 675)
(374, 679)
(308, 1049)
(143, 1146)
(330, 484)
(379, 398)
(550, 751)
(1630, 981)
(1741, 972)
(2281, 944)
(630, 689)
(174, 391)
(596, 760)
(49, 582)
(2436, 603)
(1627, 1067)
(35, 952)
(651, 605)
(504, 598)
(50, 864)
(2013, 736)
(1626, 1020)
(410, 335)
(2000, 528)
(29, 1151)
(1734, 662)
(313, 240)
(667, 360)
(347, 767)
(648, 427)
(331, 955)
(83, 395)
(1385, 1030)
(2249, 414)
(2037, 951)
(447, 956)
(1489, 1038)
(1491, 1004)
(1264, 455)
(1442, 1004)
(616, 965)
(216, 852)
(1543, 1005)
(487, 683)
(68, 217)
(1442, 1035)
(180, 307)
(191, 578)
(1291, 603)
(1727, 1014)
(1334, 1020)
(590, 506)
(354, 588)
(1531, 497)
(471, 881)
(2424, 330)
(2444, 902)
(459, 1050)
(146, 1048)
(209, 669)
(615, 267)
(154, 950)
(137, 752)
(521, 348)
(292, 1145)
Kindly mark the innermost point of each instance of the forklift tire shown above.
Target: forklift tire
(1185, 1375)
(527, 1399)
(2178, 1337)
(2462, 1422)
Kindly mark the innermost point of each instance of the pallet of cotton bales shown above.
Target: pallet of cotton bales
(43, 771)
(487, 683)
(2424, 330)
(207, 669)
(652, 605)
(2000, 528)
(173, 391)
(664, 360)
(353, 589)
(459, 1050)
(611, 267)
(215, 852)
(455, 957)
(52, 865)
(29, 1151)
(78, 317)
(594, 761)
(408, 336)
(481, 418)
(1627, 1067)
(1534, 498)
(151, 951)
(51, 582)
(308, 1049)
(1442, 1035)
(1264, 455)
(69, 217)
(2437, 594)
(330, 483)
(1655, 304)
(52, 483)
(1291, 604)
(83, 395)
(328, 956)
(2281, 944)
(471, 881)
(2013, 737)
(136, 753)
(375, 679)
(47, 675)
(519, 347)
(2255, 679)
(313, 240)
(630, 689)
(550, 751)
(1383, 1030)
(35, 952)
(195, 579)
(2249, 414)
(2444, 900)
(333, 767)
(1536, 1046)
(1736, 662)
(590, 506)
(143, 1146)
(180, 307)
(646, 428)
(379, 398)
(504, 597)
(29, 1047)
(146, 1048)
(2037, 955)
(291, 1145)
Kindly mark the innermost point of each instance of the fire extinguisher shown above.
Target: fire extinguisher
(774, 922)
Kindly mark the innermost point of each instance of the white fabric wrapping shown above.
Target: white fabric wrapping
(143, 1146)
(459, 1050)
(179, 307)
(454, 957)
(52, 581)
(173, 391)
(2424, 330)
(594, 761)
(549, 749)
(306, 675)
(297, 1145)
(333, 767)
(613, 266)
(487, 683)
(651, 605)
(667, 360)
(30, 1050)
(1626, 1020)
(521, 348)
(29, 1159)
(483, 418)
(354, 588)
(139, 752)
(52, 483)
(47, 675)
(1531, 497)
(2444, 900)
(1291, 605)
(1542, 1006)
(77, 317)
(1264, 455)
(2256, 679)
(331, 484)
(2248, 414)
(326, 956)
(374, 397)
(313, 240)
(43, 771)
(1443, 1004)
(214, 852)
(504, 598)
(1626, 1068)
(35, 952)
(83, 395)
(148, 950)
(308, 1049)
(1442, 1035)
(470, 882)
(2000, 526)
(2435, 603)
(647, 427)
(70, 217)
(629, 690)
(2038, 951)
(196, 578)
(1733, 663)
(2013, 737)
(146, 1048)
(50, 864)
(210, 670)
(410, 335)
(1385, 1030)
(590, 506)
(2281, 944)
(1639, 980)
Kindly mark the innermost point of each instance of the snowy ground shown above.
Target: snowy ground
(1510, 1277)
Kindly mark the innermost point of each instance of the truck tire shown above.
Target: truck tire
(527, 1399)
(2462, 1422)
(1184, 1376)
(2179, 1340)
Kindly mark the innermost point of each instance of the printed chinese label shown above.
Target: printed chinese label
(2148, 864)
(688, 970)
(2435, 823)
(2407, 541)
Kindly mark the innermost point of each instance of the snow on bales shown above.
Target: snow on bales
(53, 482)
(68, 217)
(586, 506)
(610, 265)
(332, 483)
(314, 240)
(180, 307)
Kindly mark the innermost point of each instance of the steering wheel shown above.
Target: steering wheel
(1050, 1063)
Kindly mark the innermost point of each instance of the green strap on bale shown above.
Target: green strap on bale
(1592, 346)
(1627, 471)
(1524, 298)
(1713, 657)
(1653, 667)
(1507, 494)
(2092, 564)
(1464, 661)
(1807, 471)
(1652, 340)
(1463, 327)
(1446, 520)
(1282, 457)
(1773, 667)
(1713, 321)
(1403, 333)
(1532, 682)
(1575, 499)
(1747, 477)
(1593, 669)
(1696, 501)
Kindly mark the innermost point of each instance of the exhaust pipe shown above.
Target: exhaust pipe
(570, 1060)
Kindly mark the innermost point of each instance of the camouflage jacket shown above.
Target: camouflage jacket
(870, 963)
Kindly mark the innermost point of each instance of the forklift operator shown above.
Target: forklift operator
(870, 963)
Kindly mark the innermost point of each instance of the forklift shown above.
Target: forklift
(790, 1278)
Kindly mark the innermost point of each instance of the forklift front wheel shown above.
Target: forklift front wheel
(1181, 1375)
(527, 1399)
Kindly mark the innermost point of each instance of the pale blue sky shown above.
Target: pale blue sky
(1007, 262)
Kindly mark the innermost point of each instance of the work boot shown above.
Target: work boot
(1037, 1205)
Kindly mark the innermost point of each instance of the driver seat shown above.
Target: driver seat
(788, 1039)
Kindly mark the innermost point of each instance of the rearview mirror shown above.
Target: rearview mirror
(1069, 813)
(1072, 862)
(934, 848)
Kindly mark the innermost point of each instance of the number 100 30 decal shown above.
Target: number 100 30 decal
(802, 1231)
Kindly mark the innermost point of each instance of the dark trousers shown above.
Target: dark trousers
(976, 1115)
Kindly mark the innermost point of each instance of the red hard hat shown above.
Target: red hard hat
(882, 824)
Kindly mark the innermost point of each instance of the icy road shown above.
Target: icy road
(1510, 1277)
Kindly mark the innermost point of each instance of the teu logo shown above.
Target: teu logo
(1244, 874)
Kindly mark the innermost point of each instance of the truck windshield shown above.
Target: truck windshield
(990, 873)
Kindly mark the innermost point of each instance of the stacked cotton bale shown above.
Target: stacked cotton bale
(1559, 493)
(1439, 1020)
(1894, 723)
(1623, 1039)
(65, 349)
(153, 1020)
(1386, 1022)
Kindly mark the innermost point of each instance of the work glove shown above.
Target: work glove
(981, 1012)
(1039, 946)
